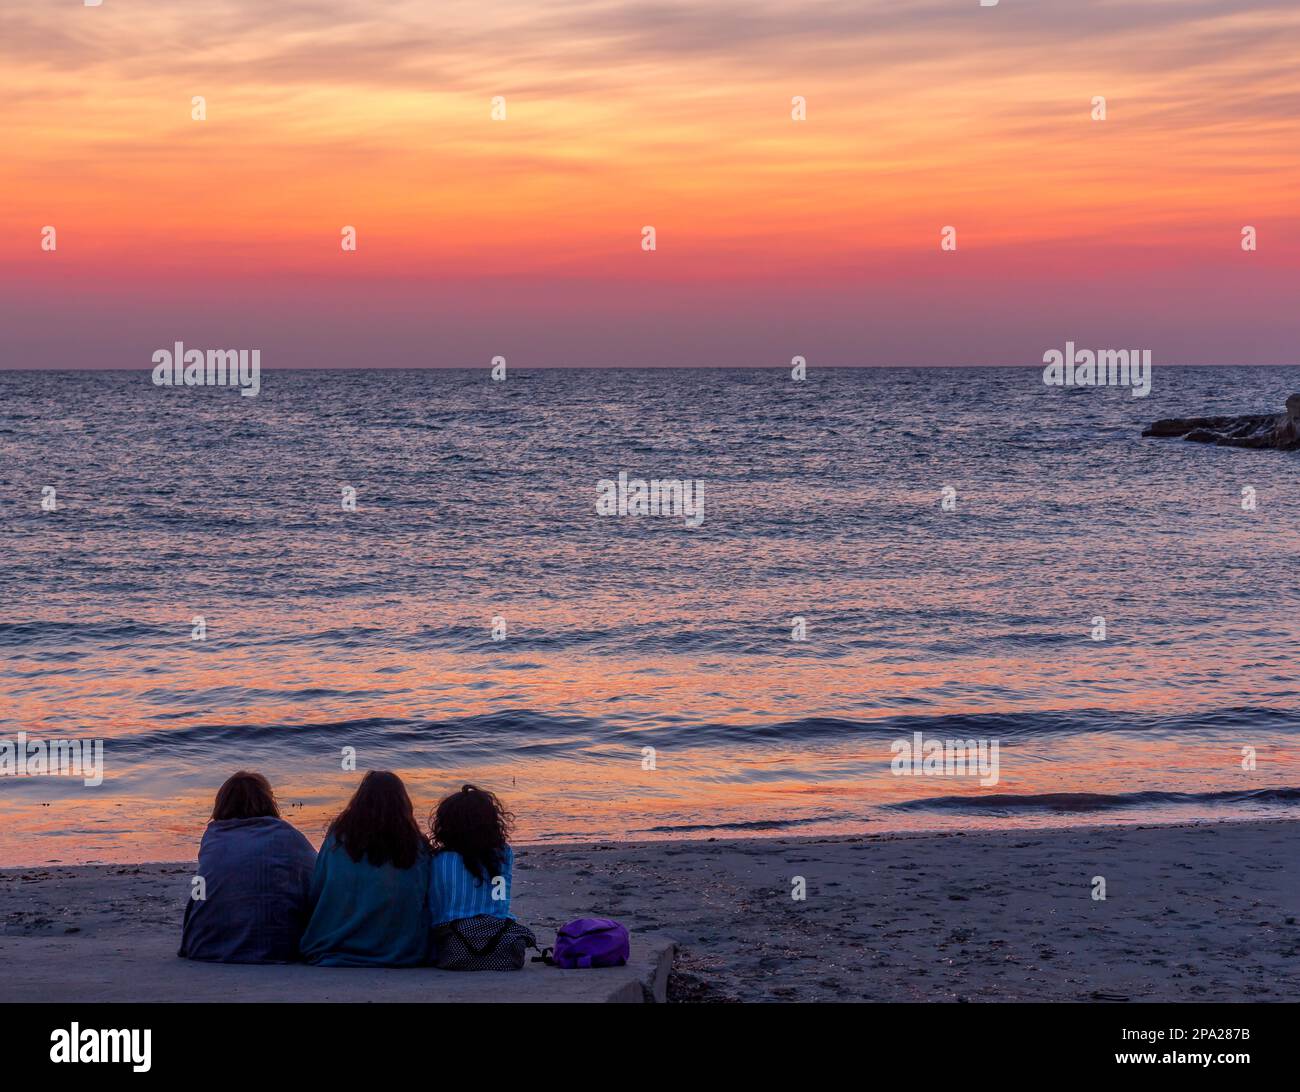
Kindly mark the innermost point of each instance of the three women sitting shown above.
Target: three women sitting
(380, 893)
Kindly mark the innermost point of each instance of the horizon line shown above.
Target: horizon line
(619, 367)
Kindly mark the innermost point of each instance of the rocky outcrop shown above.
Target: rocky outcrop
(1276, 430)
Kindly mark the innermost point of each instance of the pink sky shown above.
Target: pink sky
(775, 237)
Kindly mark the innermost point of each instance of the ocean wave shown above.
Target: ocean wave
(535, 731)
(752, 824)
(503, 731)
(22, 634)
(1000, 726)
(1008, 803)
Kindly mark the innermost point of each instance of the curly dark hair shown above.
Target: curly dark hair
(475, 824)
(379, 824)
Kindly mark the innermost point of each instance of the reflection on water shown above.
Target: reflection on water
(328, 629)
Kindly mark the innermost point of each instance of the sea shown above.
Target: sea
(410, 570)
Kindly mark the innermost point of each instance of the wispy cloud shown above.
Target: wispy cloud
(920, 114)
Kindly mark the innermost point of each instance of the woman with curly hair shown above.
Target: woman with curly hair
(469, 884)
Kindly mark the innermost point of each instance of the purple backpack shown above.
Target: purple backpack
(591, 942)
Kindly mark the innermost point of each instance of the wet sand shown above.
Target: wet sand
(1204, 912)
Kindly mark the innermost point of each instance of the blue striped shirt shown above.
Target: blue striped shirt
(455, 893)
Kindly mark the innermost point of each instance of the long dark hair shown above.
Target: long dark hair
(379, 823)
(475, 824)
(245, 795)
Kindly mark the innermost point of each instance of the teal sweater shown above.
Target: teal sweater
(366, 916)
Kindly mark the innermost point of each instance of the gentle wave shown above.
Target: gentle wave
(18, 635)
(532, 729)
(753, 824)
(1004, 803)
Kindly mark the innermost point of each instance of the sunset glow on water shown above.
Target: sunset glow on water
(372, 629)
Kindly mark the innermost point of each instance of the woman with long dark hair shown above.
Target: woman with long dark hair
(369, 894)
(248, 901)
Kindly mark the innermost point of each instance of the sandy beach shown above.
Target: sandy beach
(1207, 912)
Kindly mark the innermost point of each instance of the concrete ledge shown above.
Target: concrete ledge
(45, 969)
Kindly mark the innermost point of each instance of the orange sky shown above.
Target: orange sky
(523, 236)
